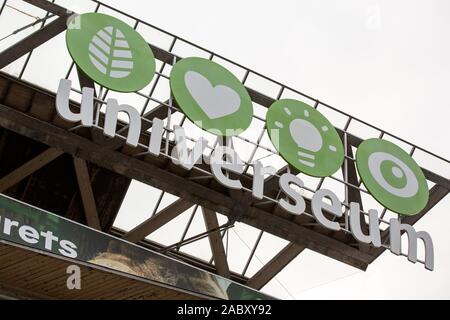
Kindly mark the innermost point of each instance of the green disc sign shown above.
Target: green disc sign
(110, 52)
(115, 56)
(211, 96)
(392, 176)
(304, 137)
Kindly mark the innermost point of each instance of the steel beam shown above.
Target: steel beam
(49, 7)
(87, 196)
(33, 41)
(354, 194)
(158, 220)
(183, 256)
(274, 266)
(28, 168)
(193, 192)
(215, 242)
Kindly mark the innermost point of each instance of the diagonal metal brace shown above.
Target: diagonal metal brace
(197, 237)
(33, 41)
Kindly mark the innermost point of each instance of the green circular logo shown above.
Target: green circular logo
(211, 96)
(110, 52)
(304, 138)
(392, 176)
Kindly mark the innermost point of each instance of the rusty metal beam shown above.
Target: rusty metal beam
(28, 168)
(274, 266)
(215, 242)
(354, 195)
(190, 191)
(158, 220)
(85, 81)
(48, 6)
(183, 256)
(87, 195)
(33, 41)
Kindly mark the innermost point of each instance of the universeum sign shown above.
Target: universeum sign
(116, 57)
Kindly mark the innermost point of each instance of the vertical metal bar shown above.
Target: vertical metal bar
(345, 174)
(158, 76)
(98, 106)
(226, 244)
(252, 253)
(222, 235)
(383, 213)
(244, 79)
(280, 93)
(72, 64)
(316, 105)
(97, 7)
(346, 177)
(169, 115)
(379, 137)
(183, 119)
(319, 185)
(158, 203)
(104, 95)
(27, 60)
(229, 143)
(188, 225)
(25, 64)
(261, 135)
(252, 155)
(3, 6)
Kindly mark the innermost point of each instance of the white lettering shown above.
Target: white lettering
(318, 205)
(232, 163)
(299, 203)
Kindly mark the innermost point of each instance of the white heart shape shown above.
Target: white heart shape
(216, 102)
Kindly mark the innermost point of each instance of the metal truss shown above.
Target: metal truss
(195, 188)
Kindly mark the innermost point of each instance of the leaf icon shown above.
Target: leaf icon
(110, 53)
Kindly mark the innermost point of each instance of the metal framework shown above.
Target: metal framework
(102, 166)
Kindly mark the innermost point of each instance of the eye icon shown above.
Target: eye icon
(399, 171)
(392, 176)
(307, 140)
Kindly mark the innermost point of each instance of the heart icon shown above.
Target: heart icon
(216, 102)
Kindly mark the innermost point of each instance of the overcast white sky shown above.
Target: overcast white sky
(386, 62)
